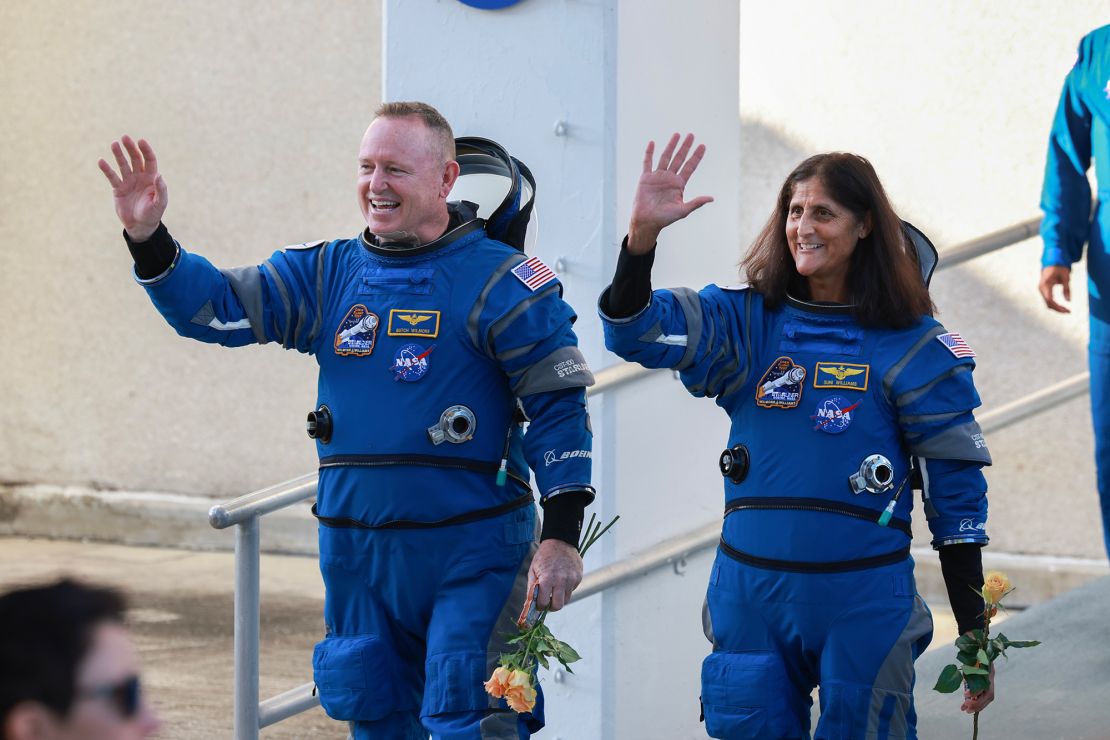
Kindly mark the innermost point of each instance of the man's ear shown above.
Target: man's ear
(450, 174)
(29, 720)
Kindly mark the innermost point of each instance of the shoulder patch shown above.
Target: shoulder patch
(533, 273)
(956, 345)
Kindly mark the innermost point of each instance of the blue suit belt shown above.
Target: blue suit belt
(835, 566)
(815, 504)
(470, 516)
(431, 461)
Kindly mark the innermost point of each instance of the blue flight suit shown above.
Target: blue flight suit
(427, 529)
(1080, 132)
(807, 587)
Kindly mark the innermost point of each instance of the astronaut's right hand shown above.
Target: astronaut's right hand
(139, 191)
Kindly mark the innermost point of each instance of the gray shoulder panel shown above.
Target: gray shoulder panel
(900, 365)
(563, 368)
(690, 303)
(963, 442)
(246, 283)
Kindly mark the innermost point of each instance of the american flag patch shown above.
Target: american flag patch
(956, 344)
(533, 273)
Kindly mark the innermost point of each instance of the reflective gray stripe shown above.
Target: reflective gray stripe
(926, 490)
(707, 622)
(543, 375)
(501, 725)
(285, 302)
(690, 304)
(499, 327)
(895, 677)
(512, 354)
(246, 283)
(926, 418)
(954, 443)
(165, 273)
(624, 319)
(302, 314)
(206, 316)
(483, 296)
(898, 367)
(910, 396)
(742, 377)
(314, 332)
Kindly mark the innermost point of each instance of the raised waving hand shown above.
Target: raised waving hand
(660, 192)
(139, 191)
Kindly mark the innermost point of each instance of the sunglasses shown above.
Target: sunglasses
(125, 696)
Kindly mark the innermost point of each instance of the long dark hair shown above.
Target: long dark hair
(884, 281)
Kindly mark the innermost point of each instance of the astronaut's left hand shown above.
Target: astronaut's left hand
(978, 702)
(557, 570)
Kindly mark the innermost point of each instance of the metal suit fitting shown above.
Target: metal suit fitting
(456, 425)
(734, 463)
(318, 424)
(875, 475)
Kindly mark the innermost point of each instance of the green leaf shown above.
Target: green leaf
(970, 642)
(982, 657)
(978, 684)
(949, 680)
(1024, 643)
(968, 657)
(973, 671)
(542, 660)
(518, 638)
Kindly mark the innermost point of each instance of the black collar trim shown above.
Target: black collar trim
(840, 309)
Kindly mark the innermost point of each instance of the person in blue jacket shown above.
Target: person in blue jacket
(840, 385)
(1080, 133)
(435, 344)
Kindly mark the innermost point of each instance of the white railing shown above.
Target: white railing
(246, 511)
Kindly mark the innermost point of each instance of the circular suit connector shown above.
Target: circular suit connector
(734, 463)
(318, 424)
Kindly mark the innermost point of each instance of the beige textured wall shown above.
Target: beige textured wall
(255, 110)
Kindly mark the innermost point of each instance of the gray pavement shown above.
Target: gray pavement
(1059, 689)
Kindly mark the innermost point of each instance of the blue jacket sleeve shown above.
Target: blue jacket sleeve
(933, 396)
(698, 334)
(1066, 195)
(529, 334)
(277, 301)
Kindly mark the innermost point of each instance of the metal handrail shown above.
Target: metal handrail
(245, 511)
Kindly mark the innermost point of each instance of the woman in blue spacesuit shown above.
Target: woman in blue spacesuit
(845, 395)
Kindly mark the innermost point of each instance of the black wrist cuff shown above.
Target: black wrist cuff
(631, 287)
(154, 256)
(562, 517)
(962, 568)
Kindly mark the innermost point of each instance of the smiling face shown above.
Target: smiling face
(822, 235)
(403, 180)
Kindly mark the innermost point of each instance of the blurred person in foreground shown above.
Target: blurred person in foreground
(68, 668)
(845, 395)
(1080, 133)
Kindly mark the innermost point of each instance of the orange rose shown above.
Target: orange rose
(498, 683)
(995, 585)
(520, 695)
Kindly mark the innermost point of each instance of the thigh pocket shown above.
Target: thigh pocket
(747, 695)
(355, 677)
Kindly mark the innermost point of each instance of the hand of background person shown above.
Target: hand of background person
(557, 570)
(659, 194)
(139, 191)
(1052, 276)
(978, 702)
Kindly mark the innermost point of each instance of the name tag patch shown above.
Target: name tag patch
(843, 375)
(406, 322)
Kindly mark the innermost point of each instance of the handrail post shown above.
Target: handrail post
(247, 617)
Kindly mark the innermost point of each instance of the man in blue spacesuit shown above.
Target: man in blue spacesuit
(436, 344)
(1080, 133)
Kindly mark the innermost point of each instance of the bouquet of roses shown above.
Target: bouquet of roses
(978, 650)
(536, 646)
